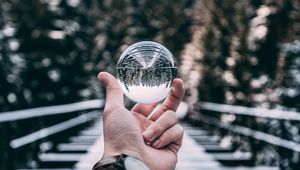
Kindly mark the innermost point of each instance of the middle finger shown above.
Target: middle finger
(172, 101)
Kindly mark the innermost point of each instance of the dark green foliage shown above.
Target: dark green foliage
(247, 53)
(234, 52)
(52, 51)
(243, 52)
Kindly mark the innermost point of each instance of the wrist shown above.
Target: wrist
(120, 162)
(113, 152)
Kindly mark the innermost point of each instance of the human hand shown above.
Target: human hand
(127, 132)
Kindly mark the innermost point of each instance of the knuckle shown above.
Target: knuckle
(165, 139)
(170, 136)
(109, 108)
(179, 127)
(157, 128)
(171, 116)
(112, 88)
(180, 130)
(165, 107)
(176, 95)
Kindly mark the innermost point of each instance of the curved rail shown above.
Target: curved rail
(250, 111)
(46, 132)
(50, 110)
(258, 135)
(246, 131)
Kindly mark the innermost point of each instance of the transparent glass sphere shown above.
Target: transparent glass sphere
(145, 72)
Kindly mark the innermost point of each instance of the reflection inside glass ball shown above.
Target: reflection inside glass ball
(145, 72)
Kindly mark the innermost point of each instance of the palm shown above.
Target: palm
(130, 136)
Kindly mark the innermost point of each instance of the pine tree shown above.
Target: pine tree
(245, 53)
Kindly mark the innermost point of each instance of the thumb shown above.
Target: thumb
(114, 93)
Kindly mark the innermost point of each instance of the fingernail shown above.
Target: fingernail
(148, 133)
(156, 143)
(102, 77)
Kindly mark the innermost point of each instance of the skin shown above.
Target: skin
(155, 141)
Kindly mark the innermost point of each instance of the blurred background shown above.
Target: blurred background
(241, 53)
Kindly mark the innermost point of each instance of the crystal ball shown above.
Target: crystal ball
(145, 72)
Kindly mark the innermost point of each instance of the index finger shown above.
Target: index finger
(172, 101)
